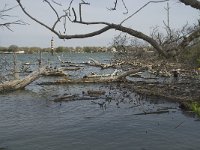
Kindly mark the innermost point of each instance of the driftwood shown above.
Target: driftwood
(95, 63)
(71, 68)
(93, 93)
(68, 98)
(21, 83)
(94, 75)
(62, 61)
(95, 79)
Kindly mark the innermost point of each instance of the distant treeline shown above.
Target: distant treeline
(30, 50)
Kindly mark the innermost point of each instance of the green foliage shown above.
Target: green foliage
(87, 49)
(46, 50)
(3, 49)
(33, 50)
(60, 49)
(195, 106)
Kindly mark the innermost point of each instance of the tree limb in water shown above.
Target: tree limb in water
(95, 78)
(21, 83)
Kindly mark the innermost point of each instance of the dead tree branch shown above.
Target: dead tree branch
(59, 4)
(21, 83)
(170, 42)
(100, 31)
(4, 15)
(36, 20)
(141, 9)
(115, 6)
(80, 8)
(52, 8)
(8, 24)
(96, 78)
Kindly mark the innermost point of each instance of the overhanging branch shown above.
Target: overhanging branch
(108, 26)
(36, 20)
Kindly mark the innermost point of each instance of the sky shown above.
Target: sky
(36, 35)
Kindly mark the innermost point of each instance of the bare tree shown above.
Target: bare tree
(75, 16)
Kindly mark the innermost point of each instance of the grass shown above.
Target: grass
(195, 107)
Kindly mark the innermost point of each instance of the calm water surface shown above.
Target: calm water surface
(30, 120)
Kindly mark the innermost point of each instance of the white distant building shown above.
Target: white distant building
(19, 52)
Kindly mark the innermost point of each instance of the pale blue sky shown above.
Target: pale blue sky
(36, 35)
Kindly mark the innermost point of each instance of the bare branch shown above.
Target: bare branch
(4, 16)
(64, 24)
(115, 6)
(142, 8)
(125, 7)
(56, 3)
(58, 20)
(173, 40)
(109, 26)
(100, 31)
(5, 9)
(52, 7)
(39, 22)
(69, 7)
(75, 18)
(8, 24)
(80, 36)
(80, 8)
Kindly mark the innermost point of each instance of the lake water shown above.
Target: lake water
(30, 120)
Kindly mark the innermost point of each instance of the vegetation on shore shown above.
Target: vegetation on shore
(191, 105)
(31, 50)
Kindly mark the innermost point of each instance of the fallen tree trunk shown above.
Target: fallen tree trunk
(95, 63)
(21, 83)
(95, 79)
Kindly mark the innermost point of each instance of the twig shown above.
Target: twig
(56, 3)
(141, 9)
(52, 8)
(115, 6)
